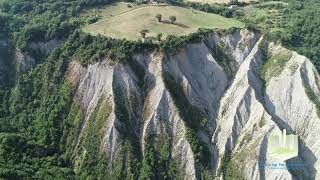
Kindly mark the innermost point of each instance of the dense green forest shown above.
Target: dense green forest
(35, 106)
(32, 112)
(295, 24)
(302, 28)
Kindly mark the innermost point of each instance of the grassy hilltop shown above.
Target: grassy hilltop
(120, 21)
(218, 1)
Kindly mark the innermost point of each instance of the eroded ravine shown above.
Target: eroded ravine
(200, 104)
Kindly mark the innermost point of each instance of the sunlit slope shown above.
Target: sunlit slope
(120, 21)
(219, 1)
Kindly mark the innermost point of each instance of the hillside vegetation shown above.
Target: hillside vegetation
(295, 23)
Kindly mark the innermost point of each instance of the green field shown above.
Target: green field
(120, 21)
(264, 15)
(218, 1)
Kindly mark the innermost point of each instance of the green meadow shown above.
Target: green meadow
(121, 21)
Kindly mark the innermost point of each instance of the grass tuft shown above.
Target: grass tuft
(274, 65)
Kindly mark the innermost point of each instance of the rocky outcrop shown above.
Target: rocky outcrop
(289, 99)
(45, 48)
(207, 94)
(25, 61)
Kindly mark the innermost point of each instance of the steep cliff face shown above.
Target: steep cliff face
(292, 99)
(24, 61)
(208, 108)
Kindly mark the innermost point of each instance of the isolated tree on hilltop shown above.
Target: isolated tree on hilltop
(234, 2)
(159, 36)
(159, 17)
(172, 19)
(144, 32)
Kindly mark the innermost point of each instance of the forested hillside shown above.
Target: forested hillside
(303, 27)
(295, 23)
(33, 104)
